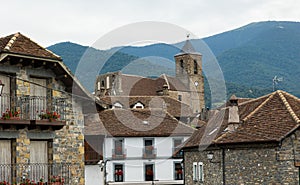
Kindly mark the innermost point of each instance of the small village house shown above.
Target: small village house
(248, 141)
(41, 121)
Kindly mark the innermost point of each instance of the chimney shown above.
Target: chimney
(165, 90)
(233, 117)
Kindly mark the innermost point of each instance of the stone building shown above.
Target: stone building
(187, 86)
(247, 141)
(41, 106)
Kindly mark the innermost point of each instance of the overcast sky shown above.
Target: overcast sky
(84, 21)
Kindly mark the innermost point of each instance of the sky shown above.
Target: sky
(84, 21)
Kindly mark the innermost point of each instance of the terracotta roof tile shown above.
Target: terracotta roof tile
(18, 43)
(172, 106)
(266, 119)
(136, 123)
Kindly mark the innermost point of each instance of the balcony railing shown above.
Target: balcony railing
(49, 173)
(119, 153)
(149, 152)
(177, 153)
(31, 107)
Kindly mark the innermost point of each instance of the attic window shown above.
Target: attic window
(138, 105)
(117, 105)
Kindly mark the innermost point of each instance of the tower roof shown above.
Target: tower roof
(188, 49)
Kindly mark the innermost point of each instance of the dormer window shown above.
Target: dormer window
(117, 105)
(138, 105)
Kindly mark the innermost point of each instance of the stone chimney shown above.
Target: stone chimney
(233, 117)
(165, 90)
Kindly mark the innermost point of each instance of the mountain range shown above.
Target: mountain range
(249, 57)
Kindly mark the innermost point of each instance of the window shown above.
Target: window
(179, 97)
(119, 150)
(102, 83)
(117, 105)
(198, 174)
(5, 159)
(181, 66)
(38, 100)
(178, 171)
(39, 157)
(119, 173)
(195, 171)
(149, 172)
(138, 105)
(200, 171)
(176, 143)
(149, 151)
(195, 67)
(5, 97)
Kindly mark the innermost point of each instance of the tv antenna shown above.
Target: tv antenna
(276, 80)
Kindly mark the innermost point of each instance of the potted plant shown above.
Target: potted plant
(4, 183)
(57, 180)
(10, 114)
(51, 116)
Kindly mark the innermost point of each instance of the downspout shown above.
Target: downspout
(223, 166)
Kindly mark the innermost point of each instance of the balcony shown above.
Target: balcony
(31, 111)
(119, 153)
(149, 152)
(177, 152)
(51, 173)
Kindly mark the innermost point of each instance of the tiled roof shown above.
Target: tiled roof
(136, 123)
(18, 43)
(269, 118)
(141, 86)
(172, 106)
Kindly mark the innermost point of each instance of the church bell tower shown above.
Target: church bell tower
(189, 72)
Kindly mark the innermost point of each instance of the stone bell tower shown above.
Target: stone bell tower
(189, 72)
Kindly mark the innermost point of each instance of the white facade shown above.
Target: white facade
(133, 160)
(93, 175)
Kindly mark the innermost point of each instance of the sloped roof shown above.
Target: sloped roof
(268, 118)
(18, 43)
(19, 46)
(172, 106)
(136, 123)
(133, 85)
(188, 49)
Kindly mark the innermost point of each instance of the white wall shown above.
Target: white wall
(134, 163)
(93, 175)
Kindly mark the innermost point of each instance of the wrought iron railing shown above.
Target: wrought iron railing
(47, 173)
(31, 107)
(119, 153)
(149, 152)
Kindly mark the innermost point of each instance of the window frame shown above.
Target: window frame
(175, 172)
(123, 172)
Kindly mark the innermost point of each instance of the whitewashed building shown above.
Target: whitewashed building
(141, 144)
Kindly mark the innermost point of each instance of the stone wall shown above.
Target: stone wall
(66, 145)
(248, 164)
